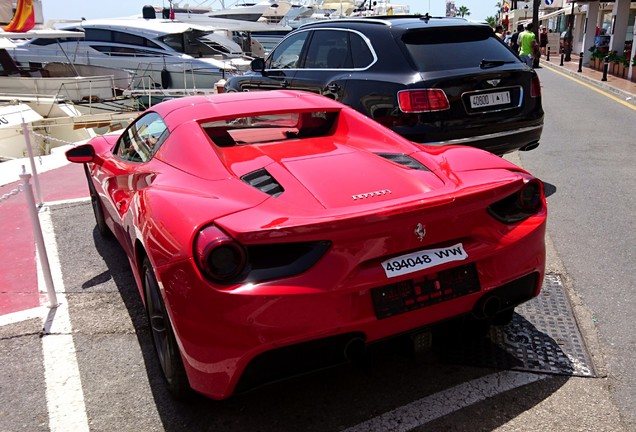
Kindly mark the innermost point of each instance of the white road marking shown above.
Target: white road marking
(425, 410)
(68, 201)
(25, 315)
(64, 394)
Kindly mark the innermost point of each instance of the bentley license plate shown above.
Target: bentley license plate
(489, 99)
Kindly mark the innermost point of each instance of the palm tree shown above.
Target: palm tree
(463, 10)
(492, 21)
(499, 6)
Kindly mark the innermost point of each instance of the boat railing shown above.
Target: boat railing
(190, 77)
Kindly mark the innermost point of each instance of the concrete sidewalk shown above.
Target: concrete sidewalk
(619, 87)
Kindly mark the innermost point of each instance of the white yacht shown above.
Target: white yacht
(52, 123)
(252, 11)
(60, 103)
(161, 53)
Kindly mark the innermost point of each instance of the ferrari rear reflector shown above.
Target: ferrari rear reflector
(423, 100)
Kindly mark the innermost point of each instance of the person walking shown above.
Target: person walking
(514, 39)
(543, 39)
(499, 31)
(528, 45)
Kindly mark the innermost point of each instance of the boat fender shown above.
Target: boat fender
(219, 86)
(166, 81)
(148, 12)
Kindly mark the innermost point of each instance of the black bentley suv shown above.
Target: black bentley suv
(432, 80)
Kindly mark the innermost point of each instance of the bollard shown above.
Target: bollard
(605, 66)
(547, 55)
(561, 64)
(581, 63)
(29, 147)
(39, 239)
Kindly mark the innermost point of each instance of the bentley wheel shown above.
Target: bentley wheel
(163, 336)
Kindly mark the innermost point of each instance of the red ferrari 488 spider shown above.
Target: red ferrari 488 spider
(275, 232)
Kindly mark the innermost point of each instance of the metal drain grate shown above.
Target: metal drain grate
(542, 337)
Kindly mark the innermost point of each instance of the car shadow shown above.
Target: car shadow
(392, 375)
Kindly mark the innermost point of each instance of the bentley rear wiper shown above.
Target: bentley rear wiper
(487, 64)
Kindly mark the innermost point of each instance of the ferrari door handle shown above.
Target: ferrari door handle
(333, 87)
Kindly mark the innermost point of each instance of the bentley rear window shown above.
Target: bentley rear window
(439, 49)
(259, 129)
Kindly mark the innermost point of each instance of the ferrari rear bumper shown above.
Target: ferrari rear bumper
(280, 363)
(235, 340)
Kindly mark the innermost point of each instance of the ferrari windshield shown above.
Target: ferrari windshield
(266, 128)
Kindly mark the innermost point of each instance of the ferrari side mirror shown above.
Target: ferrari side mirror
(81, 154)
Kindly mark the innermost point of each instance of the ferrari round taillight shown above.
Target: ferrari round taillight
(530, 197)
(220, 257)
(422, 100)
(520, 205)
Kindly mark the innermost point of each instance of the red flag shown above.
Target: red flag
(24, 17)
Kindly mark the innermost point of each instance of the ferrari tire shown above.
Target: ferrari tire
(100, 221)
(96, 204)
(163, 337)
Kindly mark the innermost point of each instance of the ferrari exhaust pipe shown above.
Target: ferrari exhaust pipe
(487, 307)
(355, 349)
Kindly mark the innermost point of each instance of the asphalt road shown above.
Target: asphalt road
(96, 370)
(588, 155)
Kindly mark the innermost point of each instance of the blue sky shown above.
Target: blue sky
(90, 9)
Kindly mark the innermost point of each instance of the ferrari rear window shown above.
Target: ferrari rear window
(439, 49)
(266, 128)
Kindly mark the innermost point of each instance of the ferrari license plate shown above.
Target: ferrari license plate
(428, 290)
(489, 99)
(427, 258)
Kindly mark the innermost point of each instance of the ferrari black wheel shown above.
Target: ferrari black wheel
(163, 337)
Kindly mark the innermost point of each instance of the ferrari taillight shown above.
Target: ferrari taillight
(219, 257)
(520, 205)
(535, 88)
(422, 100)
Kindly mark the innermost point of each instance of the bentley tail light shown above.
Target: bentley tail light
(535, 89)
(520, 205)
(423, 100)
(220, 257)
